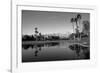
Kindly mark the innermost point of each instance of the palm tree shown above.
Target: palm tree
(36, 33)
(79, 16)
(72, 20)
(77, 27)
(78, 20)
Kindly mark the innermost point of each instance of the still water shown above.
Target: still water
(54, 51)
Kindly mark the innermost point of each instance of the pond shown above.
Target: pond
(54, 51)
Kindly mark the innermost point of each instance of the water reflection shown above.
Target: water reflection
(53, 51)
(38, 47)
(81, 50)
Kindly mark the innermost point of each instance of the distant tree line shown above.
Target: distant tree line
(41, 38)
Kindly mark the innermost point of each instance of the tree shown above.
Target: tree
(72, 20)
(77, 21)
(86, 27)
(36, 33)
(79, 18)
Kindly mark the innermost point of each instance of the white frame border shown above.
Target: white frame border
(17, 66)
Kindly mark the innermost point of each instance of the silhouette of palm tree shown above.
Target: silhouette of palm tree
(72, 20)
(36, 33)
(79, 16)
(78, 20)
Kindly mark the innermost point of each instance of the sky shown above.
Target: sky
(49, 22)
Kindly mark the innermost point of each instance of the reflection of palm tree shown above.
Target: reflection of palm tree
(76, 48)
(37, 49)
(36, 52)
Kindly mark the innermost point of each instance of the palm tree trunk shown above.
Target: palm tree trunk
(73, 27)
(80, 29)
(73, 31)
(77, 29)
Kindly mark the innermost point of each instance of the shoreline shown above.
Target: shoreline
(81, 42)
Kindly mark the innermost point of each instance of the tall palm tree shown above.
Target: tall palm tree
(72, 20)
(77, 27)
(76, 20)
(79, 18)
(36, 33)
